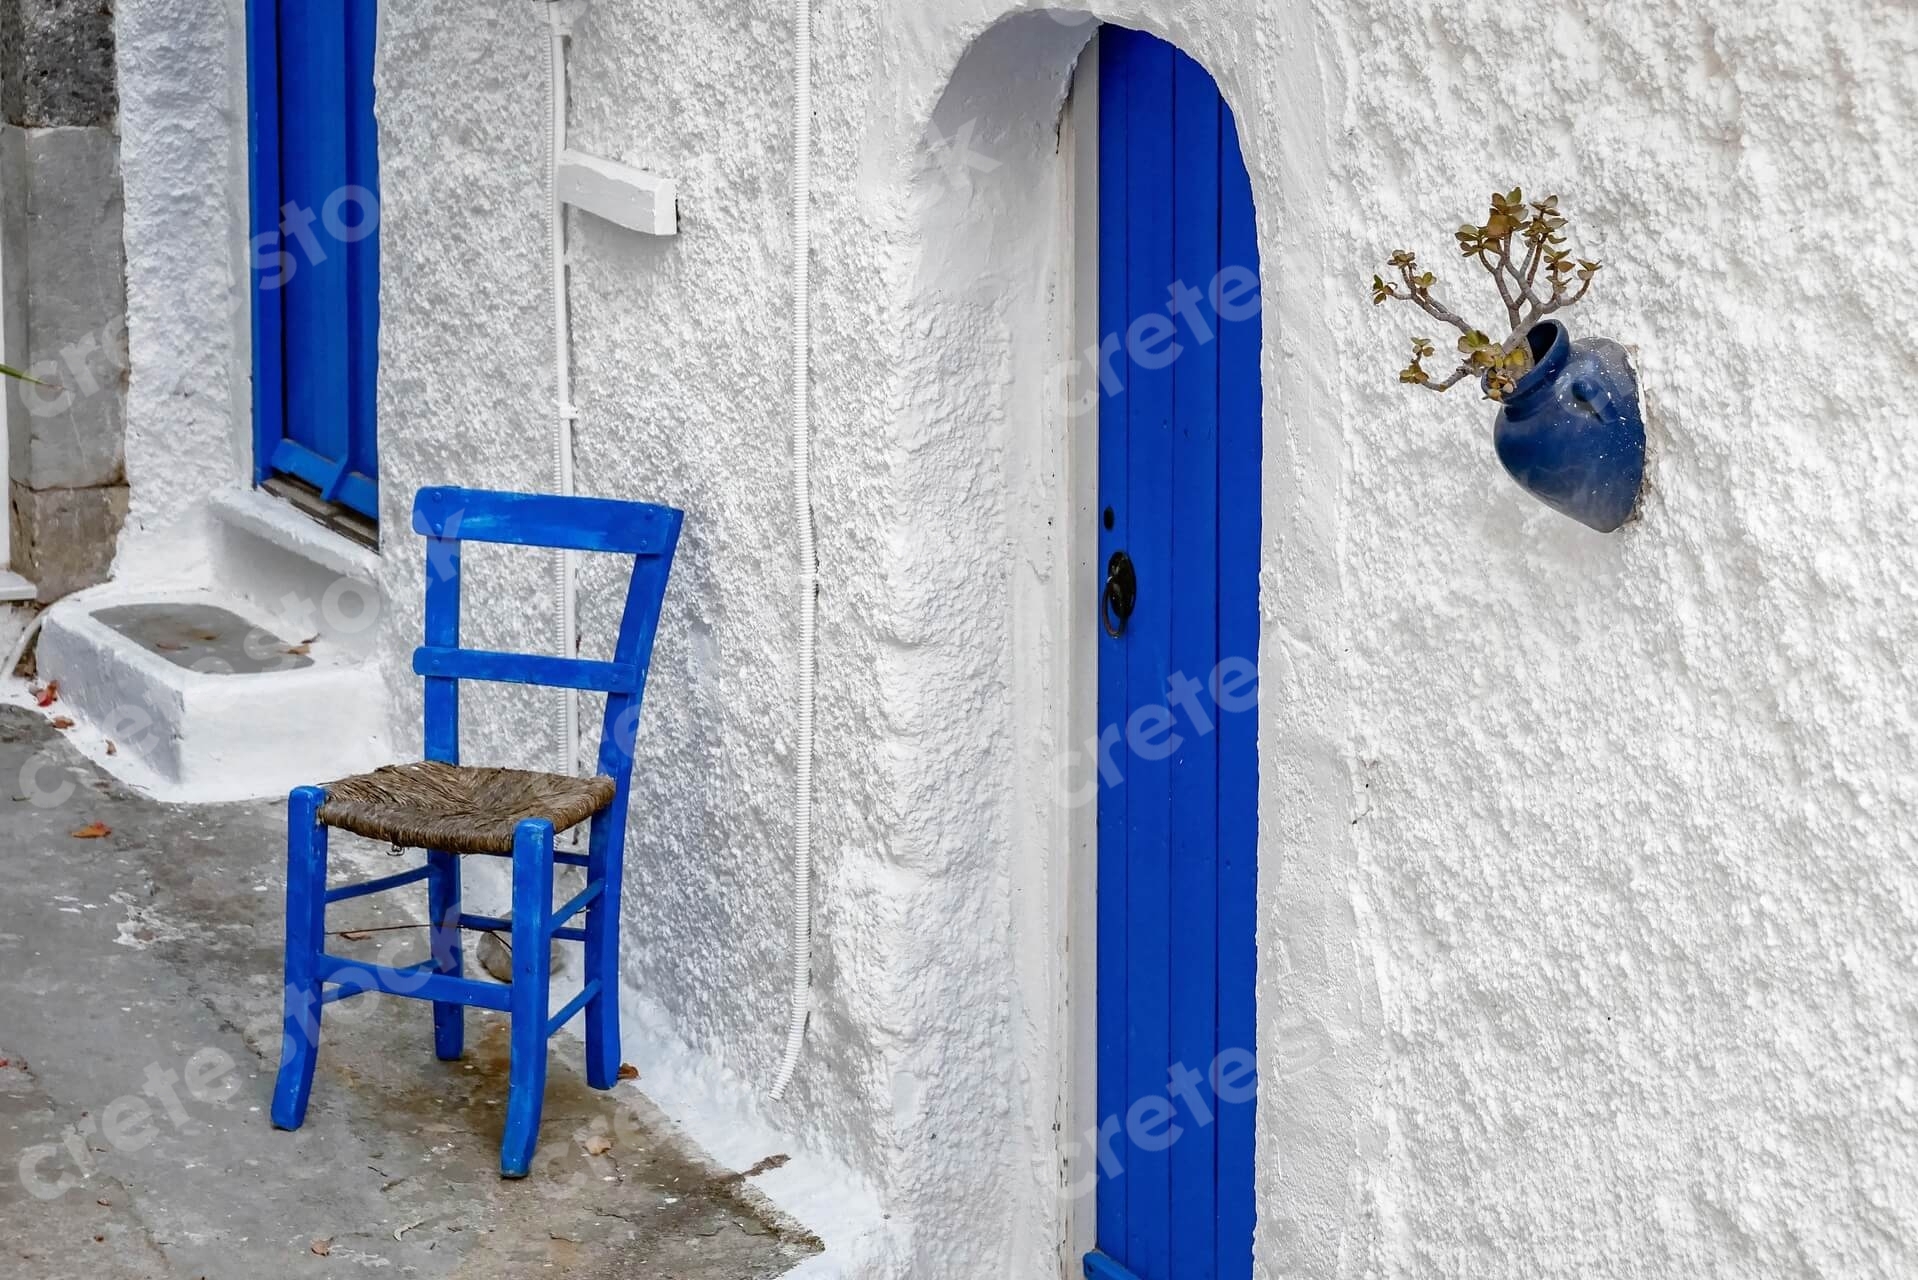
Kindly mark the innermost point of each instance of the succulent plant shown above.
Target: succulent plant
(1522, 247)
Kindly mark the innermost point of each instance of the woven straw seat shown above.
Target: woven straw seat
(456, 808)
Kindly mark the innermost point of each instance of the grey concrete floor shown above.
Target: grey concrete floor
(139, 1007)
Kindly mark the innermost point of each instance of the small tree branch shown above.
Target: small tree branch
(1514, 305)
(1498, 278)
(1458, 375)
(1429, 305)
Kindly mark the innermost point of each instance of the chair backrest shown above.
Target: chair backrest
(449, 517)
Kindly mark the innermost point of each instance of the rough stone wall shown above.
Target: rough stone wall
(64, 263)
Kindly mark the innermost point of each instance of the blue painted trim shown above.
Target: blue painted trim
(1151, 216)
(499, 924)
(586, 995)
(370, 887)
(263, 167)
(312, 135)
(417, 982)
(443, 914)
(546, 520)
(1101, 1267)
(1241, 454)
(305, 938)
(580, 902)
(330, 477)
(531, 994)
(1194, 618)
(1115, 45)
(525, 668)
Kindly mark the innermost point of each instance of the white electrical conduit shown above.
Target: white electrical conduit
(808, 548)
(565, 600)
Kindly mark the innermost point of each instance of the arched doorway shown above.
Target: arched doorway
(1179, 516)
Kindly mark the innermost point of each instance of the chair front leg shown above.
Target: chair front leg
(532, 984)
(443, 911)
(305, 940)
(604, 856)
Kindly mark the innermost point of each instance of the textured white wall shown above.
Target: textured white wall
(183, 155)
(1586, 897)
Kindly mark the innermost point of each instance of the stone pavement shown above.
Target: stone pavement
(139, 1006)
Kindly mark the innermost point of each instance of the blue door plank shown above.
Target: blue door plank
(263, 147)
(1241, 416)
(313, 164)
(1114, 519)
(1150, 213)
(315, 178)
(1193, 903)
(362, 251)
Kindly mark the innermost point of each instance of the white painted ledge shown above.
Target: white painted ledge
(619, 193)
(186, 736)
(14, 588)
(276, 522)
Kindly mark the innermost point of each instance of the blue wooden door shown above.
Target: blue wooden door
(1179, 452)
(316, 263)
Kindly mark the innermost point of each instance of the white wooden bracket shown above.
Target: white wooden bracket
(619, 193)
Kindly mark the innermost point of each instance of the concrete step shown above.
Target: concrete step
(203, 696)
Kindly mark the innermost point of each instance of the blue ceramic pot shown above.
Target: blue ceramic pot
(1572, 434)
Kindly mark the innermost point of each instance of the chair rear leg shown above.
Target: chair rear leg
(305, 940)
(532, 984)
(443, 910)
(602, 960)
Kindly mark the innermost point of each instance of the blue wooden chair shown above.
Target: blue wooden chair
(451, 810)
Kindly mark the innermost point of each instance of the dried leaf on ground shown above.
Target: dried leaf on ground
(321, 1248)
(92, 831)
(627, 1071)
(597, 1145)
(63, 722)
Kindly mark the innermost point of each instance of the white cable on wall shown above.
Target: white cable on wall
(808, 547)
(565, 599)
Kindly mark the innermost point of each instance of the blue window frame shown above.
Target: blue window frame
(314, 155)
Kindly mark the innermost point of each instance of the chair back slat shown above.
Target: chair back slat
(546, 520)
(526, 668)
(442, 629)
(448, 517)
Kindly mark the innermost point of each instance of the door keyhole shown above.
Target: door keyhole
(1121, 594)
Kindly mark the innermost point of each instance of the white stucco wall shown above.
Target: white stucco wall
(1586, 901)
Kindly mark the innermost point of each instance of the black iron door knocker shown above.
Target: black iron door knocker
(1121, 594)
